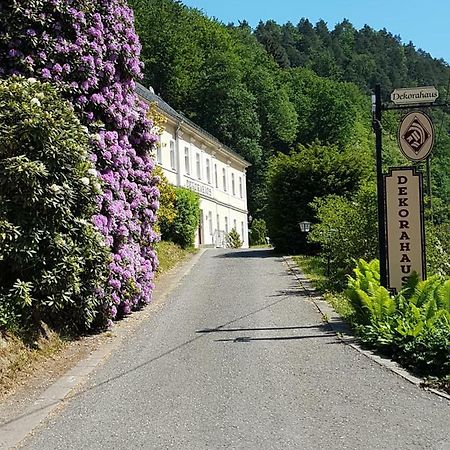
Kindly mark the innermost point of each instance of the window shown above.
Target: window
(224, 176)
(208, 172)
(158, 155)
(197, 165)
(235, 224)
(187, 165)
(210, 223)
(216, 180)
(218, 222)
(240, 187)
(242, 230)
(226, 224)
(172, 155)
(233, 188)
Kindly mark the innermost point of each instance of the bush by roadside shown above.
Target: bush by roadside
(181, 228)
(50, 350)
(52, 259)
(413, 326)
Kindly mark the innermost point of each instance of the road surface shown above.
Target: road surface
(237, 357)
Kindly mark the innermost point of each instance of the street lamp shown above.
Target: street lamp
(305, 226)
(330, 234)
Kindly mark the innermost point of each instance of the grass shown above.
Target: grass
(170, 254)
(17, 359)
(315, 268)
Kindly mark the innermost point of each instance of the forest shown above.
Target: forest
(292, 99)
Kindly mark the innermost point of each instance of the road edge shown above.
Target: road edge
(17, 429)
(342, 330)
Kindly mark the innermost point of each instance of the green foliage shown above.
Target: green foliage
(52, 260)
(327, 110)
(185, 224)
(362, 56)
(280, 86)
(258, 232)
(413, 326)
(346, 229)
(234, 239)
(372, 302)
(438, 249)
(167, 211)
(296, 180)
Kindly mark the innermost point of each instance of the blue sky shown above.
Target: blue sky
(425, 23)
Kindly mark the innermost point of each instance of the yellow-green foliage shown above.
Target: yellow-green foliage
(233, 239)
(183, 227)
(167, 201)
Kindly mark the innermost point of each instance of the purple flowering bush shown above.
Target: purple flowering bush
(90, 51)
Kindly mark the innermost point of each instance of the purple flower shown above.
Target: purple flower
(96, 53)
(57, 68)
(14, 53)
(46, 73)
(114, 283)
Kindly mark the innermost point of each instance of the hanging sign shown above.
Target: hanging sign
(416, 136)
(415, 95)
(404, 226)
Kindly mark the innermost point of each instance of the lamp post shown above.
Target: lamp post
(305, 226)
(330, 233)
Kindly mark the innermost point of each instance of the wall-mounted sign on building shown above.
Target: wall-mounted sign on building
(415, 95)
(416, 136)
(200, 188)
(404, 226)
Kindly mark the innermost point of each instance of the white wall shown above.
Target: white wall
(217, 200)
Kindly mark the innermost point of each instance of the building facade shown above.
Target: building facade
(192, 158)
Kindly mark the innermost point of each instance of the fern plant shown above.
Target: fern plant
(414, 325)
(372, 302)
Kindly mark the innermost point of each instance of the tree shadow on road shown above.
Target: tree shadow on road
(200, 334)
(324, 328)
(248, 253)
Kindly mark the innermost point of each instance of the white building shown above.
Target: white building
(191, 157)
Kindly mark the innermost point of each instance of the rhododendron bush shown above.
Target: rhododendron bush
(52, 259)
(90, 51)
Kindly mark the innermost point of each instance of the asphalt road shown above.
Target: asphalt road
(236, 357)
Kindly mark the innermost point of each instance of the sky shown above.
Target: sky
(425, 23)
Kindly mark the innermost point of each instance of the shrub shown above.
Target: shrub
(167, 211)
(234, 239)
(438, 249)
(295, 180)
(346, 229)
(258, 232)
(413, 326)
(183, 228)
(89, 49)
(52, 259)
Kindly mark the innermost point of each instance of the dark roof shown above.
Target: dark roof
(152, 97)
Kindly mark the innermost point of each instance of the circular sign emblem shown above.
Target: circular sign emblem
(416, 136)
